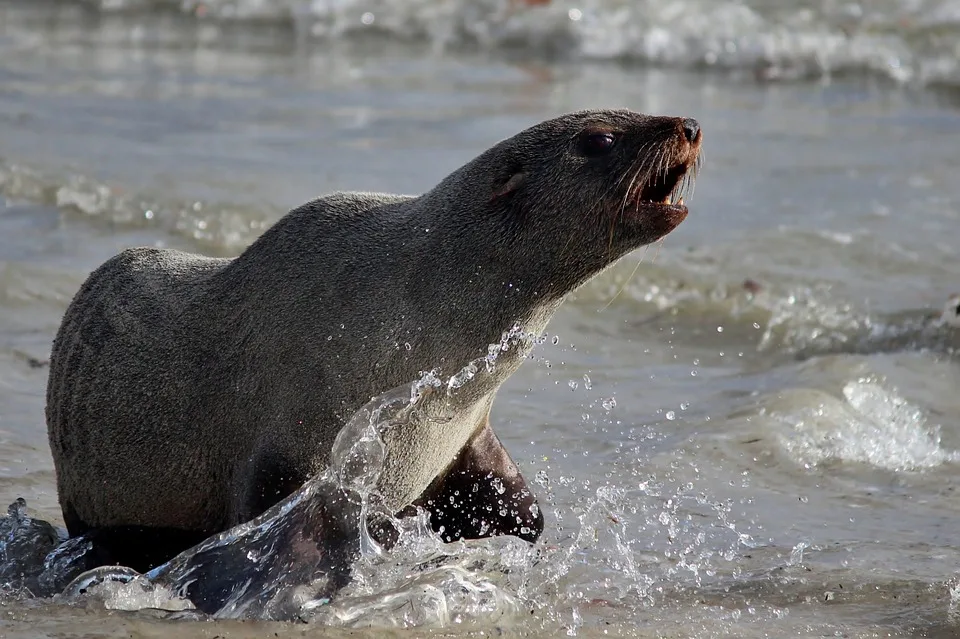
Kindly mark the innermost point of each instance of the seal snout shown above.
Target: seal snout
(663, 172)
(669, 171)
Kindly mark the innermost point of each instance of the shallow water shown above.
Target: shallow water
(751, 430)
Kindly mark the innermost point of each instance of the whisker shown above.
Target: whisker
(623, 204)
(684, 189)
(620, 180)
(641, 171)
(697, 165)
(626, 194)
(657, 254)
(628, 280)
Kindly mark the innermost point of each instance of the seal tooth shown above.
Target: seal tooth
(680, 202)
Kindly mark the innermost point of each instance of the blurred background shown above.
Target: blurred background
(751, 429)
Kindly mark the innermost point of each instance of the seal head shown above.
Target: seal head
(567, 197)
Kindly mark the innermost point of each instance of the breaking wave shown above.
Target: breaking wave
(909, 41)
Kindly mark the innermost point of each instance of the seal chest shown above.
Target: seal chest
(189, 394)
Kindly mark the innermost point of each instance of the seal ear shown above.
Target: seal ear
(510, 183)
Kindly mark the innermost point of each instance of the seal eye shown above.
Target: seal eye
(594, 145)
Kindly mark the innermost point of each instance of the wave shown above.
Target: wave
(726, 304)
(908, 41)
(215, 227)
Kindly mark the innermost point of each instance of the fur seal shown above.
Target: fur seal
(188, 394)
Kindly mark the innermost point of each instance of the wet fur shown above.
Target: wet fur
(189, 394)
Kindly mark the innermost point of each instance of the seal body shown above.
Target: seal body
(188, 394)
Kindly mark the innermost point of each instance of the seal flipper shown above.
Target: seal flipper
(300, 549)
(467, 501)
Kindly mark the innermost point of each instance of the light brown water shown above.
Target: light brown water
(717, 460)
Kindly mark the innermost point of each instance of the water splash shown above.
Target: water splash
(297, 555)
(951, 312)
(875, 426)
(645, 541)
(25, 543)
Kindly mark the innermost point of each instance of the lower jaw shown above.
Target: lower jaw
(651, 223)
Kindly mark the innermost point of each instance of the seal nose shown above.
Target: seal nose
(691, 129)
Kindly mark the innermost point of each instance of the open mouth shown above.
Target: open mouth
(665, 189)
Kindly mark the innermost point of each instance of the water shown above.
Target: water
(908, 41)
(752, 432)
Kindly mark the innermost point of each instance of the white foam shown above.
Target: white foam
(875, 426)
(776, 40)
(951, 312)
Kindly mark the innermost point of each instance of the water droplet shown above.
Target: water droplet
(587, 383)
(609, 404)
(719, 329)
(407, 346)
(367, 18)
(572, 384)
(671, 415)
(796, 555)
(684, 405)
(555, 340)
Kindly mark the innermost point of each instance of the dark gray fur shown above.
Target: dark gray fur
(192, 393)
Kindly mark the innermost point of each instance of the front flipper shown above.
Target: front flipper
(482, 494)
